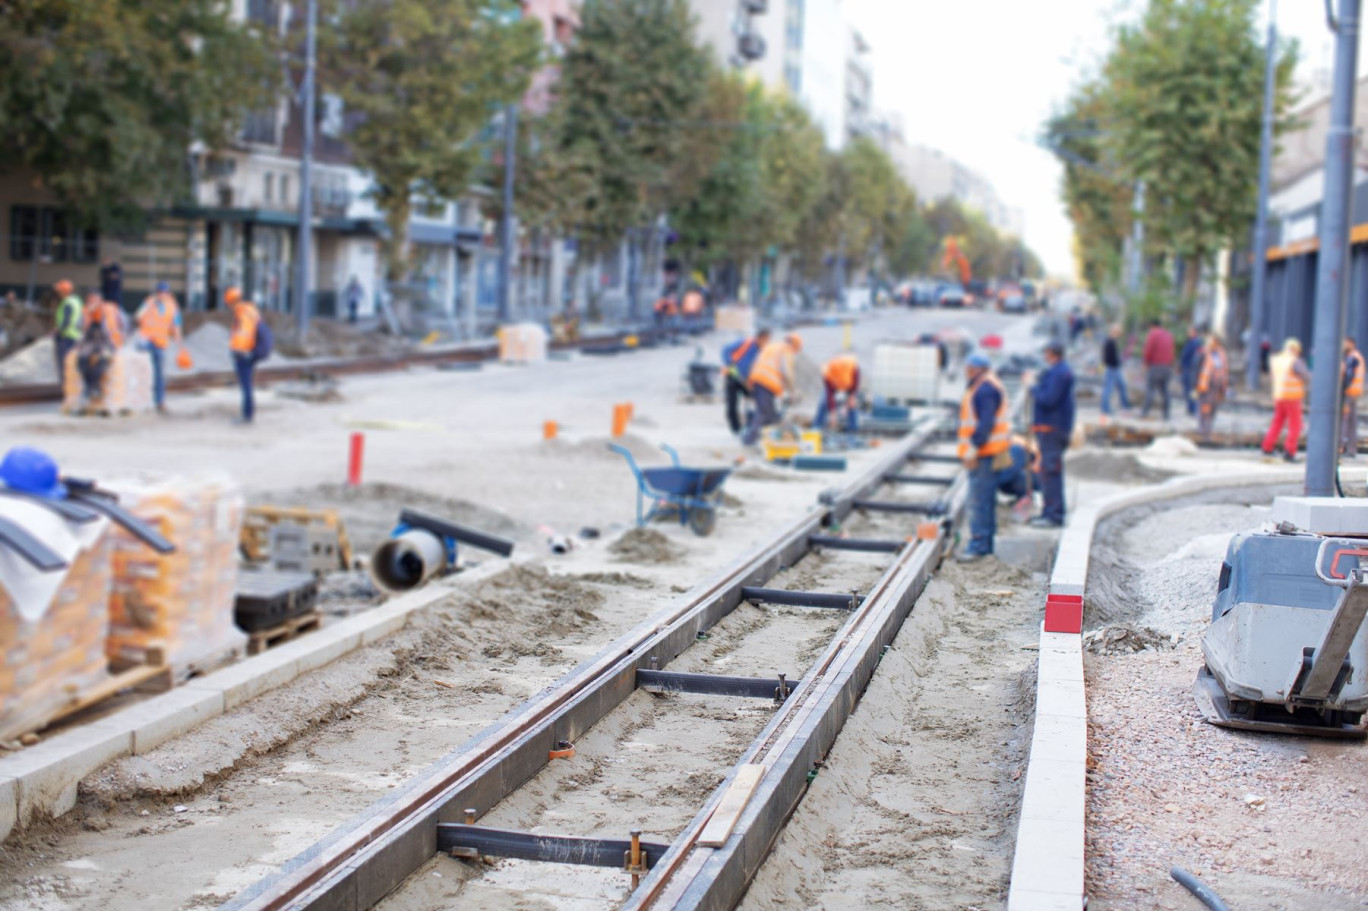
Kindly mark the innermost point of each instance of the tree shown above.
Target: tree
(632, 89)
(425, 78)
(1183, 105)
(102, 99)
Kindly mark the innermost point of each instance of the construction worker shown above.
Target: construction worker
(107, 314)
(1353, 391)
(243, 344)
(1290, 379)
(1052, 422)
(666, 315)
(984, 439)
(1021, 478)
(771, 379)
(1213, 380)
(840, 377)
(159, 321)
(737, 360)
(67, 325)
(692, 306)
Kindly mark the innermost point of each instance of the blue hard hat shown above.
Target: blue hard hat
(33, 471)
(978, 360)
(163, 287)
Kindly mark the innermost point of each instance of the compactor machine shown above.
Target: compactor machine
(1286, 650)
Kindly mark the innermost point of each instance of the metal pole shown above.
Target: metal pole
(1137, 263)
(506, 222)
(305, 243)
(1260, 261)
(1332, 285)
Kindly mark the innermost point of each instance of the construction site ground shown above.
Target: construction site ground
(233, 799)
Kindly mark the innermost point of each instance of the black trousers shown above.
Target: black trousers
(736, 391)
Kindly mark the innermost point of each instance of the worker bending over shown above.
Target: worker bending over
(159, 321)
(1052, 423)
(771, 379)
(1021, 478)
(101, 336)
(1290, 379)
(243, 345)
(1353, 391)
(841, 380)
(984, 441)
(67, 326)
(737, 360)
(1213, 381)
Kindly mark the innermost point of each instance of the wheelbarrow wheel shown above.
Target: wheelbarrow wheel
(702, 520)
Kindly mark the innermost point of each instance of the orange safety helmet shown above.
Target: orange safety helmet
(63, 287)
(232, 295)
(794, 341)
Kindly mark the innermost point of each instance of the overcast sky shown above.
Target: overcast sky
(977, 80)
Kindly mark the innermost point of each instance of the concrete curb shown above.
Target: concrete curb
(1047, 869)
(42, 779)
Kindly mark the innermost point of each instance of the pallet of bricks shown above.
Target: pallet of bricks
(119, 615)
(126, 389)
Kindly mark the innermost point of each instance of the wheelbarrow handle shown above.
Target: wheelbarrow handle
(674, 456)
(626, 454)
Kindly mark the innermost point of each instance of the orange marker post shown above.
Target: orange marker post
(354, 459)
(549, 430)
(619, 420)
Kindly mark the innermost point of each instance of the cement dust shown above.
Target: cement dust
(1116, 467)
(916, 804)
(645, 545)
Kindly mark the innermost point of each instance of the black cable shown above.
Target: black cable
(1199, 889)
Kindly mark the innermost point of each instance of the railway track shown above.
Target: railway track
(710, 862)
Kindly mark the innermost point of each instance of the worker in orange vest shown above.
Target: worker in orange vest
(108, 315)
(243, 345)
(1213, 381)
(691, 306)
(772, 378)
(1353, 391)
(737, 359)
(985, 438)
(1290, 379)
(840, 379)
(159, 321)
(102, 334)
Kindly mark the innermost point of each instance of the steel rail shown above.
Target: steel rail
(363, 860)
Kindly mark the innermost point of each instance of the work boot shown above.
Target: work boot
(966, 556)
(1289, 457)
(1042, 522)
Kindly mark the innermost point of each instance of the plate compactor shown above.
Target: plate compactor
(1286, 651)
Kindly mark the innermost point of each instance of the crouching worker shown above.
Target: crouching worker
(841, 382)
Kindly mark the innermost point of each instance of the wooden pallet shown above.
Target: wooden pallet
(254, 540)
(152, 673)
(261, 640)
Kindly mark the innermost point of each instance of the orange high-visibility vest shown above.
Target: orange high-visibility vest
(1215, 371)
(841, 371)
(1287, 385)
(666, 307)
(774, 364)
(245, 319)
(1355, 388)
(1001, 438)
(157, 319)
(109, 315)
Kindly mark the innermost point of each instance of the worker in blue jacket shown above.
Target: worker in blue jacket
(737, 360)
(1052, 422)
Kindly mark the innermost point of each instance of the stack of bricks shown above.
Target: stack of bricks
(181, 602)
(127, 385)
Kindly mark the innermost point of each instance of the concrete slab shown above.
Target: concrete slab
(1062, 698)
(47, 773)
(1054, 791)
(170, 715)
(9, 806)
(323, 647)
(1059, 737)
(251, 678)
(1031, 900)
(1051, 861)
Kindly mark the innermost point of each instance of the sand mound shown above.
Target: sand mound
(1121, 468)
(529, 597)
(644, 545)
(34, 363)
(371, 511)
(596, 448)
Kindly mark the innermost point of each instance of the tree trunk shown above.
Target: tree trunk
(397, 211)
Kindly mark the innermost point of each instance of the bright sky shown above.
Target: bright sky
(978, 80)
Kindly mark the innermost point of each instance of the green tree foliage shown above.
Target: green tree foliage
(630, 117)
(102, 99)
(426, 78)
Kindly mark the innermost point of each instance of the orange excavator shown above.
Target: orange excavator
(953, 256)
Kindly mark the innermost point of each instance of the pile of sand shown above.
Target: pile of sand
(1118, 468)
(596, 449)
(530, 597)
(33, 363)
(644, 545)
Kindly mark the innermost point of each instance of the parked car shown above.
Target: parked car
(952, 294)
(1014, 303)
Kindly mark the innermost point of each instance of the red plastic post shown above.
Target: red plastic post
(354, 459)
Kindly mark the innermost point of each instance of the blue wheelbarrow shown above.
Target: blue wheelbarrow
(692, 494)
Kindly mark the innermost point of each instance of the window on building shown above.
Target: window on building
(260, 127)
(23, 232)
(54, 243)
(268, 186)
(285, 189)
(85, 245)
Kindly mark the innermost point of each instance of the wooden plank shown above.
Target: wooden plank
(732, 804)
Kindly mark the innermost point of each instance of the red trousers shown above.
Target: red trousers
(1286, 412)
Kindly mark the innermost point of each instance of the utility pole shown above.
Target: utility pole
(1332, 276)
(506, 221)
(1260, 263)
(305, 242)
